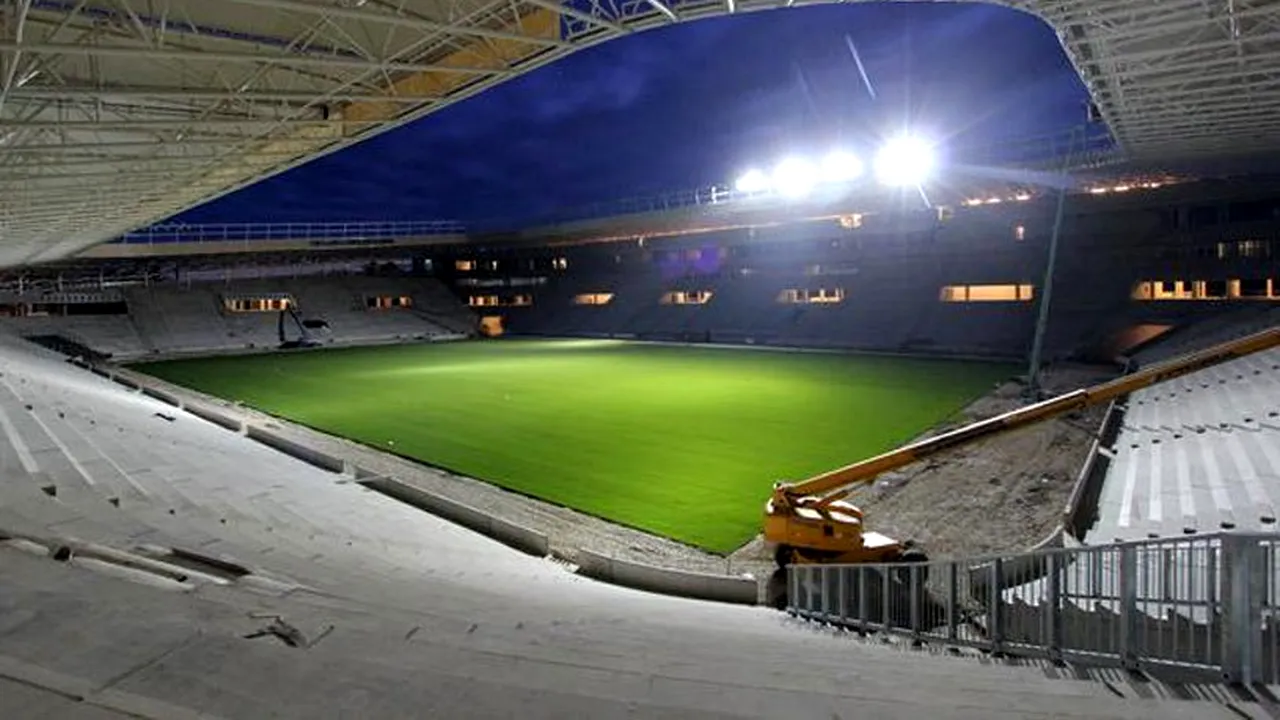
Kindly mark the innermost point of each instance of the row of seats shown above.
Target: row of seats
(375, 609)
(176, 318)
(1199, 453)
(873, 317)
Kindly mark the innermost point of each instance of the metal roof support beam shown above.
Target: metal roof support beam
(280, 59)
(107, 147)
(664, 9)
(11, 77)
(128, 163)
(567, 11)
(1175, 70)
(1206, 85)
(171, 93)
(1163, 53)
(333, 10)
(169, 124)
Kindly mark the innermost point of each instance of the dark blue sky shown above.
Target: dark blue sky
(691, 105)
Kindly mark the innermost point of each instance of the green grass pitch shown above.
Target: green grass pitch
(683, 442)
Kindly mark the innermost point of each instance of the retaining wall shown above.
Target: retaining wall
(508, 533)
(701, 586)
(1082, 507)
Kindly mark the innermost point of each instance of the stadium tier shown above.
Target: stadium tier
(1200, 453)
(191, 569)
(378, 523)
(244, 315)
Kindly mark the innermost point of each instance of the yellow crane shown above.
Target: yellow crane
(810, 522)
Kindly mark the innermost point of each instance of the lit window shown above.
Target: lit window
(593, 299)
(686, 297)
(851, 222)
(987, 293)
(559, 263)
(257, 304)
(821, 296)
(1253, 248)
(1206, 290)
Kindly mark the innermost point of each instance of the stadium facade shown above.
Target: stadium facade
(1138, 257)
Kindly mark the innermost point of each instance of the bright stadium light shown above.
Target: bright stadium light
(841, 167)
(904, 161)
(794, 177)
(752, 181)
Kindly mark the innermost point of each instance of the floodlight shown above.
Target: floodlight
(752, 181)
(841, 167)
(904, 161)
(794, 177)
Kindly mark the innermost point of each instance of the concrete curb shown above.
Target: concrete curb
(162, 396)
(324, 461)
(701, 586)
(505, 532)
(215, 417)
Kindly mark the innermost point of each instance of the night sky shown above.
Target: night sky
(692, 105)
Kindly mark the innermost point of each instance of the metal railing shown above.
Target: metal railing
(1204, 604)
(352, 231)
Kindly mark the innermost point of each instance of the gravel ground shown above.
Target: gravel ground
(1003, 494)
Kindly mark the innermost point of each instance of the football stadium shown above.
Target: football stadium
(880, 424)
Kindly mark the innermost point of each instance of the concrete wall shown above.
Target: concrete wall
(1081, 510)
(701, 586)
(508, 533)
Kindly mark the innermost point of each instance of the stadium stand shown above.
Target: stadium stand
(1200, 453)
(188, 584)
(189, 318)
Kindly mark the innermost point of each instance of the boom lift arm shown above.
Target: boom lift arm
(809, 522)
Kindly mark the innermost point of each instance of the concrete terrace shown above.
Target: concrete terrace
(301, 594)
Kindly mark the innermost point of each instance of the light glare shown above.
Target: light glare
(752, 181)
(840, 167)
(794, 177)
(904, 161)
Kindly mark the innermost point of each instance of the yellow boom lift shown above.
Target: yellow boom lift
(809, 521)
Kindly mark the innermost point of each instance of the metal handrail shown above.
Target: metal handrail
(1202, 603)
(223, 232)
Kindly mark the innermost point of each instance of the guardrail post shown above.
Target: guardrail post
(1243, 586)
(886, 598)
(842, 594)
(793, 589)
(995, 624)
(1127, 612)
(823, 595)
(1053, 606)
(953, 601)
(863, 607)
(915, 600)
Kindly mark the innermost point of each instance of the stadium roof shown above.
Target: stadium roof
(117, 113)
